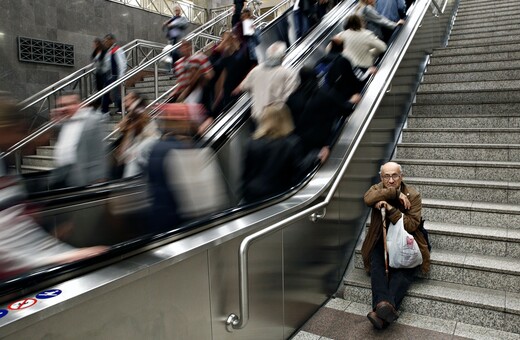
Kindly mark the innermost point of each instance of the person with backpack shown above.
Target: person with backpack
(115, 63)
(374, 21)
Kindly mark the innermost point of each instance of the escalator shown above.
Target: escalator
(183, 283)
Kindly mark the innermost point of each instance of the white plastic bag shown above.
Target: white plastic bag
(403, 250)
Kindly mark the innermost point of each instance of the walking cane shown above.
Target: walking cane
(383, 218)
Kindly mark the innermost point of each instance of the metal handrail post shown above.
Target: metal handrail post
(18, 161)
(156, 79)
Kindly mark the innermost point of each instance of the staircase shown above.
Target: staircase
(461, 150)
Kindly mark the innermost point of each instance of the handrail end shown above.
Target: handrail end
(232, 322)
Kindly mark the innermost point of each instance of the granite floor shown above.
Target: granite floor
(340, 319)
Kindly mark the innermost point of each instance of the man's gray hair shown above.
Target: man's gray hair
(399, 165)
(276, 51)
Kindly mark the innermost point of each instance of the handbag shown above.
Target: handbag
(403, 250)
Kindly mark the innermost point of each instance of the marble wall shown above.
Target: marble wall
(75, 22)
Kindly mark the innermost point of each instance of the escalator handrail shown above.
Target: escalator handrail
(365, 111)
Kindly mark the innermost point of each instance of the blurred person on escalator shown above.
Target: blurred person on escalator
(273, 156)
(24, 245)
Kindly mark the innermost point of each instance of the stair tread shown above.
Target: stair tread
(464, 182)
(35, 167)
(492, 299)
(472, 205)
(459, 162)
(497, 264)
(461, 145)
(42, 157)
(491, 233)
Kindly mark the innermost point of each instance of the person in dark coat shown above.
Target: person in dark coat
(308, 86)
(341, 91)
(273, 156)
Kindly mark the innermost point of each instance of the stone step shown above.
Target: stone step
(451, 328)
(37, 160)
(505, 24)
(485, 65)
(450, 301)
(45, 151)
(483, 49)
(481, 41)
(472, 239)
(151, 83)
(459, 152)
(470, 4)
(469, 97)
(30, 169)
(474, 270)
(481, 190)
(164, 77)
(504, 57)
(454, 135)
(487, 109)
(497, 34)
(474, 76)
(489, 12)
(480, 121)
(459, 169)
(151, 89)
(497, 85)
(472, 213)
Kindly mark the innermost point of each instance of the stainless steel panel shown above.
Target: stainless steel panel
(266, 288)
(162, 305)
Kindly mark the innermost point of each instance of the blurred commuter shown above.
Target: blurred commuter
(332, 51)
(307, 88)
(138, 134)
(273, 156)
(24, 245)
(337, 97)
(193, 72)
(175, 26)
(373, 19)
(360, 46)
(185, 181)
(269, 82)
(100, 69)
(248, 36)
(393, 10)
(238, 5)
(115, 63)
(303, 11)
(79, 154)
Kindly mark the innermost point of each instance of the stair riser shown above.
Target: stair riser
(483, 154)
(483, 41)
(478, 137)
(470, 217)
(151, 89)
(487, 97)
(470, 50)
(444, 310)
(160, 78)
(461, 172)
(472, 86)
(475, 245)
(465, 193)
(498, 75)
(378, 136)
(476, 66)
(512, 109)
(38, 162)
(152, 83)
(44, 152)
(466, 276)
(487, 34)
(464, 122)
(490, 13)
(487, 27)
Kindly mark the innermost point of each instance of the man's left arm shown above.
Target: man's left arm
(121, 63)
(411, 217)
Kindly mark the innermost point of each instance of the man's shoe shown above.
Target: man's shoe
(386, 311)
(376, 321)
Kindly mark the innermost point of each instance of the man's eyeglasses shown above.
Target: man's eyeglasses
(395, 177)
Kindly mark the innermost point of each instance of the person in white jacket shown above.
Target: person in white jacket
(360, 46)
